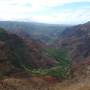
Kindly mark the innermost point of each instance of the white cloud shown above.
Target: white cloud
(46, 2)
(68, 16)
(26, 9)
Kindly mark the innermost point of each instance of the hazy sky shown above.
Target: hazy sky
(46, 11)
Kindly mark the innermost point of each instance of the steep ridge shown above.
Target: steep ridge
(15, 53)
(77, 40)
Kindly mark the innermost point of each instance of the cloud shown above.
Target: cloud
(47, 3)
(47, 11)
(68, 17)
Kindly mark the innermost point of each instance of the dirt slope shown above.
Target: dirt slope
(39, 84)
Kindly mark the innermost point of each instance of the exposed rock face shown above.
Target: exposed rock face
(77, 40)
(16, 52)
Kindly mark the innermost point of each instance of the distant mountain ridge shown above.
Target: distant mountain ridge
(45, 33)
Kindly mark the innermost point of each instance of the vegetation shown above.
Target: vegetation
(63, 68)
(2, 34)
(13, 52)
(60, 70)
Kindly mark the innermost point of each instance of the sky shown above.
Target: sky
(46, 11)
